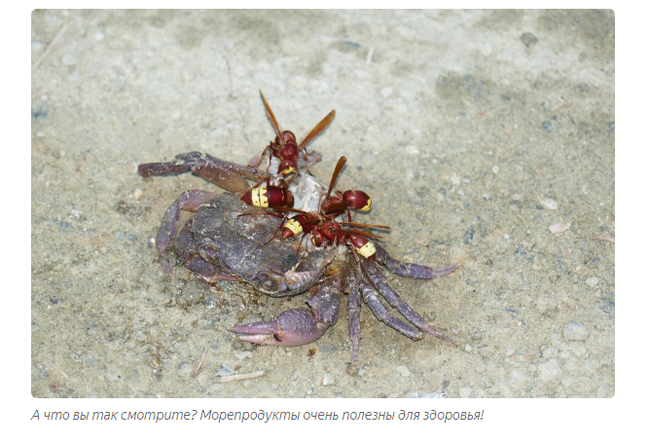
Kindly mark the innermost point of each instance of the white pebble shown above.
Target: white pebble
(575, 331)
(185, 370)
(547, 203)
(69, 59)
(550, 353)
(486, 49)
(403, 371)
(592, 281)
(387, 91)
(99, 35)
(241, 355)
(465, 392)
(559, 228)
(328, 379)
(457, 254)
(549, 370)
(495, 169)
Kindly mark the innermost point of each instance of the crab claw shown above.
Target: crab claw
(289, 329)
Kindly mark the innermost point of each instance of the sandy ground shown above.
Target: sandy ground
(473, 131)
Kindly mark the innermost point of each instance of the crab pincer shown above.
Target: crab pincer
(297, 326)
(291, 328)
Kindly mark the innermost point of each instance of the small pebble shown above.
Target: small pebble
(403, 371)
(592, 281)
(387, 91)
(457, 254)
(575, 331)
(224, 370)
(528, 39)
(137, 194)
(486, 49)
(510, 352)
(69, 59)
(328, 379)
(241, 355)
(559, 228)
(549, 370)
(185, 370)
(495, 169)
(547, 203)
(550, 353)
(442, 393)
(465, 392)
(577, 348)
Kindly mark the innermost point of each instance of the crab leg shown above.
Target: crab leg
(414, 271)
(227, 175)
(189, 200)
(393, 298)
(297, 326)
(381, 312)
(354, 309)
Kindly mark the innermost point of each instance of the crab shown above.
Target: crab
(228, 239)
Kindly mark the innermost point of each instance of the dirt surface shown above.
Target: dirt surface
(473, 131)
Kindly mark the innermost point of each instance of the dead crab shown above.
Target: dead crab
(219, 243)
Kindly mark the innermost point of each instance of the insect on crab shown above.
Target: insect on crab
(225, 239)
